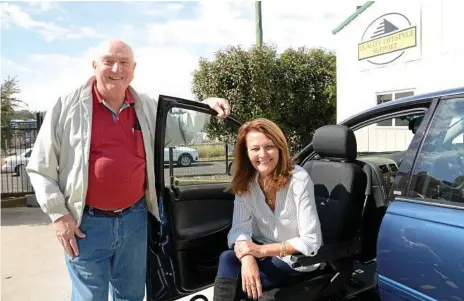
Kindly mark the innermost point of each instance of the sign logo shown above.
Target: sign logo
(386, 39)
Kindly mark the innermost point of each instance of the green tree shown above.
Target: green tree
(24, 115)
(9, 89)
(295, 89)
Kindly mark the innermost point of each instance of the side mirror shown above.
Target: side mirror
(414, 124)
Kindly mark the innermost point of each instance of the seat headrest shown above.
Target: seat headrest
(335, 142)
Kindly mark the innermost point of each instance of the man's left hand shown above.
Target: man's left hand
(220, 105)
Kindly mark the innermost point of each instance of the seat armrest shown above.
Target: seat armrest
(329, 253)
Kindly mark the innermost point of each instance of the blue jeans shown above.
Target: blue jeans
(112, 256)
(273, 271)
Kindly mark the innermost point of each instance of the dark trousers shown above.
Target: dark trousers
(273, 271)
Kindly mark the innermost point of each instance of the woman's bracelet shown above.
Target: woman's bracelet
(283, 249)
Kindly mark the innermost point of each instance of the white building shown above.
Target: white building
(391, 49)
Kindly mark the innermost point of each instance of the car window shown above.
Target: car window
(204, 159)
(377, 140)
(438, 175)
(28, 154)
(386, 97)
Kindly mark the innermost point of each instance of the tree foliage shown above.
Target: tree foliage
(24, 115)
(9, 89)
(295, 89)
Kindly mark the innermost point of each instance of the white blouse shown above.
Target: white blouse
(294, 219)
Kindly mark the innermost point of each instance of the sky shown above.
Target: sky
(48, 46)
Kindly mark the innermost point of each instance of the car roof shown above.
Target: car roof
(409, 100)
(413, 98)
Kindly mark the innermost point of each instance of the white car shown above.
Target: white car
(181, 155)
(14, 163)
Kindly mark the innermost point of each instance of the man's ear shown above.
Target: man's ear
(94, 65)
(135, 64)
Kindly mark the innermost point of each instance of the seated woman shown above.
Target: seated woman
(274, 216)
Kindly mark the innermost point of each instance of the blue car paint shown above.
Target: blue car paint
(391, 290)
(406, 100)
(420, 253)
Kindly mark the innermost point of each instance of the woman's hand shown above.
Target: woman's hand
(243, 248)
(251, 281)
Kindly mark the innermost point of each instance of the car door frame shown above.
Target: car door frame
(160, 233)
(165, 103)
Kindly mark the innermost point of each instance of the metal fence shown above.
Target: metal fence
(16, 156)
(213, 162)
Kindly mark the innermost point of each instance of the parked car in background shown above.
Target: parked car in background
(182, 156)
(14, 163)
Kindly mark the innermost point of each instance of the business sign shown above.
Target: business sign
(386, 39)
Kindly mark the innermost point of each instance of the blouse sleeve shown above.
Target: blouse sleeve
(310, 236)
(241, 222)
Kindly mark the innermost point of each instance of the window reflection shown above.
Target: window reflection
(439, 171)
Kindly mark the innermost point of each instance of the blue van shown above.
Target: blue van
(392, 219)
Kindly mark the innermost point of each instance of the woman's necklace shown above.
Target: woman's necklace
(267, 198)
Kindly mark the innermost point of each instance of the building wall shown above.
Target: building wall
(435, 63)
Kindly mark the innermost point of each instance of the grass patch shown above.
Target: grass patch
(207, 151)
(220, 158)
(203, 180)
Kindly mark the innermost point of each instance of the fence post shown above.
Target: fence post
(227, 158)
(39, 119)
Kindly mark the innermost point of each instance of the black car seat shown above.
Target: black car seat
(340, 185)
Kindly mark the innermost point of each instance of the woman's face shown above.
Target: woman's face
(262, 152)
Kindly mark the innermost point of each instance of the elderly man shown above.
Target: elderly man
(93, 173)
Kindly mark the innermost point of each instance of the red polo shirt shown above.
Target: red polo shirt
(117, 156)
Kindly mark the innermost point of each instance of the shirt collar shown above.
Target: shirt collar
(100, 99)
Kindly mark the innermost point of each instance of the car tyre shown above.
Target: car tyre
(229, 168)
(17, 170)
(185, 160)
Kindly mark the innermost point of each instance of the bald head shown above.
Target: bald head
(107, 45)
(114, 67)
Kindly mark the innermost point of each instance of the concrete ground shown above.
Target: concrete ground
(32, 261)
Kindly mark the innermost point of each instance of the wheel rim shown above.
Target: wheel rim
(185, 160)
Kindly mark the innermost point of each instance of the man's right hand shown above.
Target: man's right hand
(66, 230)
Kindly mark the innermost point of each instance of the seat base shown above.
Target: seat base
(308, 290)
(358, 280)
(363, 281)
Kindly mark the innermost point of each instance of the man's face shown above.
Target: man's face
(114, 69)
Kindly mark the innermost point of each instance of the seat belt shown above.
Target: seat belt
(367, 192)
(368, 171)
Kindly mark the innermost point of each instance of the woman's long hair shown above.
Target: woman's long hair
(244, 170)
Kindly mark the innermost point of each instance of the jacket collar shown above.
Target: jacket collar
(85, 96)
(86, 91)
